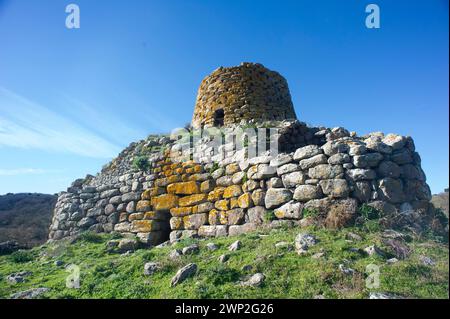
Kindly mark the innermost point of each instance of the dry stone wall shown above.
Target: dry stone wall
(322, 183)
(246, 92)
(320, 175)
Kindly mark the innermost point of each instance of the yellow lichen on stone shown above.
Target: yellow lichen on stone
(192, 200)
(135, 216)
(165, 202)
(245, 200)
(183, 188)
(213, 217)
(180, 211)
(143, 205)
(207, 186)
(222, 204)
(174, 179)
(216, 194)
(232, 191)
(143, 226)
(176, 223)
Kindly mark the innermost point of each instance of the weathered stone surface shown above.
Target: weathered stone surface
(258, 197)
(245, 200)
(287, 168)
(235, 230)
(192, 199)
(325, 171)
(262, 171)
(183, 188)
(127, 244)
(232, 191)
(213, 230)
(304, 193)
(277, 196)
(410, 171)
(313, 161)
(339, 158)
(165, 202)
(403, 156)
(336, 188)
(235, 246)
(194, 221)
(207, 186)
(388, 169)
(191, 249)
(391, 190)
(150, 268)
(362, 191)
(184, 273)
(254, 281)
(256, 215)
(232, 217)
(306, 152)
(143, 206)
(143, 226)
(303, 242)
(395, 141)
(375, 144)
(367, 160)
(334, 147)
(281, 159)
(293, 179)
(360, 174)
(290, 210)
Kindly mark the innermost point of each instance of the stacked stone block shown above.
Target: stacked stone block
(246, 92)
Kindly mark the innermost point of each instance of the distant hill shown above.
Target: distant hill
(441, 201)
(26, 217)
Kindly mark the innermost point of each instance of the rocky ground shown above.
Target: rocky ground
(269, 263)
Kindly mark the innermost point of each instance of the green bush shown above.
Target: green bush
(21, 256)
(141, 163)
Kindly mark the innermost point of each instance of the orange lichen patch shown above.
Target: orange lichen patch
(174, 179)
(232, 191)
(179, 171)
(216, 194)
(143, 226)
(198, 169)
(185, 177)
(180, 211)
(222, 204)
(223, 217)
(234, 202)
(188, 164)
(155, 215)
(165, 202)
(143, 205)
(245, 201)
(213, 217)
(192, 200)
(157, 170)
(176, 223)
(135, 216)
(183, 188)
(232, 168)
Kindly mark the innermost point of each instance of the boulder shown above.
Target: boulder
(183, 273)
(277, 196)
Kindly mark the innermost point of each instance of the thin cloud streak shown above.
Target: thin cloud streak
(26, 124)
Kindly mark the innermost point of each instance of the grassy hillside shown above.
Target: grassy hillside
(288, 275)
(25, 217)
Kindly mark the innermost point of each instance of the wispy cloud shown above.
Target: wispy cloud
(23, 171)
(26, 124)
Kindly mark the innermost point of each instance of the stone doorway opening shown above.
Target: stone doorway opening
(219, 116)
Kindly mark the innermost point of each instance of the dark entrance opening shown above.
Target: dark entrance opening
(219, 117)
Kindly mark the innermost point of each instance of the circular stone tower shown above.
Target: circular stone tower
(245, 92)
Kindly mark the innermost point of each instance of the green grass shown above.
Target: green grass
(288, 275)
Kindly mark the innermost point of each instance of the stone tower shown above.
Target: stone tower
(245, 92)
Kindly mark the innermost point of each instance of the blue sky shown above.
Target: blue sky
(70, 100)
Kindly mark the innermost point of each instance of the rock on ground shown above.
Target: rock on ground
(183, 273)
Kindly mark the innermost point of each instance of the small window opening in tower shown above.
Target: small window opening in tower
(218, 117)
